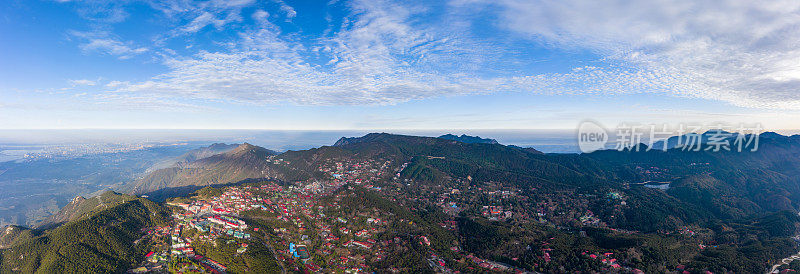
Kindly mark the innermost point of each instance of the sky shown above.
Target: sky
(372, 64)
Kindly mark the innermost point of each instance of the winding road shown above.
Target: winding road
(274, 254)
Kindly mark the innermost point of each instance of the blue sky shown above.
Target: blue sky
(460, 64)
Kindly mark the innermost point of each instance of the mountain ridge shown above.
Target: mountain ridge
(243, 162)
(468, 139)
(194, 155)
(742, 201)
(81, 207)
(102, 242)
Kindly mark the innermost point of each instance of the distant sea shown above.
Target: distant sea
(14, 143)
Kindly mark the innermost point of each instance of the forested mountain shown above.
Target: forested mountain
(748, 200)
(194, 155)
(82, 207)
(719, 211)
(243, 162)
(13, 235)
(761, 181)
(103, 242)
(436, 159)
(724, 184)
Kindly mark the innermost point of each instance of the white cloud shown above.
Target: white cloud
(228, 4)
(202, 21)
(374, 60)
(83, 82)
(379, 56)
(104, 43)
(116, 84)
(218, 13)
(384, 53)
(288, 11)
(110, 101)
(260, 16)
(100, 10)
(743, 52)
(113, 47)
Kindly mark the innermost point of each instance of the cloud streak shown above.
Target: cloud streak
(105, 43)
(83, 82)
(381, 52)
(371, 61)
(742, 52)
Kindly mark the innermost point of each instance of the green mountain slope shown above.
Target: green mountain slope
(82, 207)
(703, 185)
(245, 161)
(13, 235)
(728, 184)
(434, 159)
(194, 155)
(741, 204)
(100, 243)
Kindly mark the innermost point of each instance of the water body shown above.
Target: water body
(548, 141)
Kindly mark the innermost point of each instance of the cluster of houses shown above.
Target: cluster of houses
(211, 218)
(358, 172)
(605, 258)
(304, 212)
(495, 212)
(346, 242)
(589, 219)
(180, 245)
(155, 261)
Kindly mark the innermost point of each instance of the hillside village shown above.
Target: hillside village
(366, 210)
(318, 226)
(388, 214)
(304, 224)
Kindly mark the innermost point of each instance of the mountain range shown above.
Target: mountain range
(746, 201)
(757, 182)
(194, 171)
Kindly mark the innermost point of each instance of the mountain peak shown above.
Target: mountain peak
(218, 146)
(352, 140)
(80, 207)
(249, 148)
(770, 134)
(469, 139)
(245, 147)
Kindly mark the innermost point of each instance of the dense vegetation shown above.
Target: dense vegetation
(257, 258)
(739, 198)
(244, 162)
(81, 207)
(721, 211)
(101, 243)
